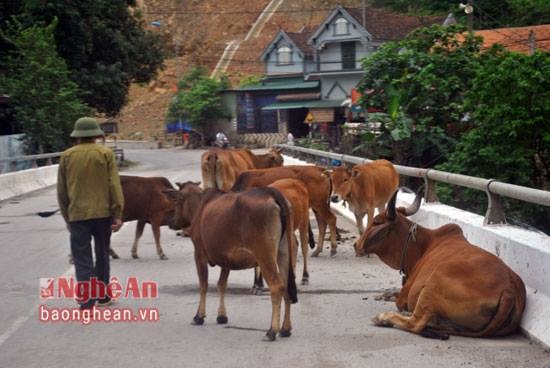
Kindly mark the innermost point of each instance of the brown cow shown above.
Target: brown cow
(145, 202)
(452, 287)
(221, 167)
(364, 188)
(237, 231)
(318, 186)
(295, 191)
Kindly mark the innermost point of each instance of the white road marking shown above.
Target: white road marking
(16, 325)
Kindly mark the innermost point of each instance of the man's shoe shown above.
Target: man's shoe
(105, 302)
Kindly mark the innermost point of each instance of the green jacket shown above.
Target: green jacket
(88, 185)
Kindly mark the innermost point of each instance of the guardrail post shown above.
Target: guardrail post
(495, 212)
(430, 192)
(34, 164)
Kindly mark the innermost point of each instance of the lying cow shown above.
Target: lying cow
(318, 187)
(221, 167)
(237, 231)
(364, 188)
(145, 202)
(452, 287)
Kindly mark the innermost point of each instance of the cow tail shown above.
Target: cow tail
(286, 230)
(311, 237)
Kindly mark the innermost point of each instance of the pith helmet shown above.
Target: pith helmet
(86, 127)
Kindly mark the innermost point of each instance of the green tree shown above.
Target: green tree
(199, 101)
(45, 100)
(510, 140)
(104, 44)
(420, 82)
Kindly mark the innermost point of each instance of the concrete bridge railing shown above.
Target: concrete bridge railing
(526, 252)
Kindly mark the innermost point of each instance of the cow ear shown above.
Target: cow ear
(180, 185)
(327, 172)
(355, 173)
(277, 150)
(173, 195)
(197, 183)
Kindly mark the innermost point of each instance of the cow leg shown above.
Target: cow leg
(276, 287)
(258, 285)
(415, 323)
(322, 226)
(304, 243)
(139, 231)
(222, 284)
(359, 222)
(155, 224)
(325, 217)
(202, 271)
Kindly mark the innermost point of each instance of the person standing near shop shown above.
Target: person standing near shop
(91, 202)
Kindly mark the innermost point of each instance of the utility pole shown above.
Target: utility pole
(470, 12)
(364, 14)
(532, 42)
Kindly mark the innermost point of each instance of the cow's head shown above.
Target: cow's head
(388, 232)
(275, 158)
(187, 200)
(341, 183)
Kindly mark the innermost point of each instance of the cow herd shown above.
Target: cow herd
(250, 206)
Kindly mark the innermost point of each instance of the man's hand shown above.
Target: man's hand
(116, 225)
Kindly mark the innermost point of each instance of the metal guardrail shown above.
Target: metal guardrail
(12, 161)
(493, 188)
(49, 157)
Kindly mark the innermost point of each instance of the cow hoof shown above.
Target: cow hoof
(333, 252)
(163, 257)
(179, 233)
(135, 256)
(381, 322)
(305, 281)
(270, 336)
(285, 333)
(115, 256)
(198, 321)
(222, 320)
(315, 253)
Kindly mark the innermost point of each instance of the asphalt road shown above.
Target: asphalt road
(331, 322)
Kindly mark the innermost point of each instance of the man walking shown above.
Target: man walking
(91, 202)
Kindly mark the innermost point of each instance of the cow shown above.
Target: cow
(237, 231)
(364, 188)
(145, 202)
(318, 185)
(451, 287)
(295, 192)
(221, 167)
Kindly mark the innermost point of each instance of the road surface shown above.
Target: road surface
(331, 322)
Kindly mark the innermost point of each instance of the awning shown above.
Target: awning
(281, 86)
(303, 105)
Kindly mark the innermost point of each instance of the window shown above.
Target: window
(341, 26)
(348, 55)
(284, 54)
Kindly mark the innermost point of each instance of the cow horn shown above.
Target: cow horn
(391, 207)
(413, 208)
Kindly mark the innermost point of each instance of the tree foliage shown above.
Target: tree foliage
(37, 80)
(103, 43)
(420, 82)
(199, 101)
(510, 140)
(487, 13)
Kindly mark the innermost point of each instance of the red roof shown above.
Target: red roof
(517, 39)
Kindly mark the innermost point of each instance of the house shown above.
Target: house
(310, 74)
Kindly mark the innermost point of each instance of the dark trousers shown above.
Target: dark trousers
(81, 236)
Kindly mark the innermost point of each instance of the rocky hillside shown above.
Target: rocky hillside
(196, 33)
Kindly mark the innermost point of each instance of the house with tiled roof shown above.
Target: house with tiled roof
(310, 74)
(518, 39)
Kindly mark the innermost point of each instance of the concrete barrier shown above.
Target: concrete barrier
(24, 181)
(526, 252)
